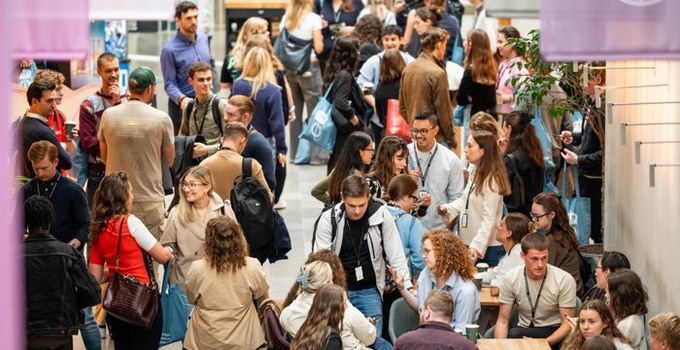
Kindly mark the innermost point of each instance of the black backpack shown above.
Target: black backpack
(217, 116)
(253, 208)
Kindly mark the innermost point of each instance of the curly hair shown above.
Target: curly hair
(627, 295)
(575, 340)
(38, 214)
(560, 230)
(324, 317)
(110, 200)
(368, 29)
(344, 57)
(451, 255)
(329, 257)
(383, 167)
(225, 245)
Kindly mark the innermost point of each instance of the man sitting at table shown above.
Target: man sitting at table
(435, 331)
(544, 295)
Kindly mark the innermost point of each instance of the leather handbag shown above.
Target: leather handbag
(395, 124)
(295, 53)
(128, 299)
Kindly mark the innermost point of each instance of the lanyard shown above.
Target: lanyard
(199, 131)
(423, 174)
(357, 250)
(535, 304)
(56, 182)
(467, 202)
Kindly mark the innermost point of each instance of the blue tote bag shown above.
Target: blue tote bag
(546, 146)
(578, 209)
(320, 127)
(175, 315)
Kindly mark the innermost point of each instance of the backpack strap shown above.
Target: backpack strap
(334, 224)
(187, 112)
(247, 167)
(217, 116)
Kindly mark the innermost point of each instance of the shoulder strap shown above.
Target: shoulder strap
(120, 236)
(187, 111)
(217, 116)
(247, 165)
(334, 224)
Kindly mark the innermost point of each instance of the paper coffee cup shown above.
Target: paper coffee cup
(70, 125)
(472, 332)
(482, 267)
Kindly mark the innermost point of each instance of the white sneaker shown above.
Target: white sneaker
(280, 205)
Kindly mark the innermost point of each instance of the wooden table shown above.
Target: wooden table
(486, 299)
(244, 9)
(513, 344)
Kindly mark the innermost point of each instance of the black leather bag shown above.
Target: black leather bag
(128, 299)
(295, 53)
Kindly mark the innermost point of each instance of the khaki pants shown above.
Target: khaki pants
(152, 215)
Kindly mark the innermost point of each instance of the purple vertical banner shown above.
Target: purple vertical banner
(12, 329)
(48, 30)
(605, 30)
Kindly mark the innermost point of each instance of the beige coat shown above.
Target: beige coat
(225, 166)
(187, 240)
(225, 316)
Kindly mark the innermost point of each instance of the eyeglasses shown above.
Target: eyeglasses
(415, 198)
(368, 149)
(423, 131)
(191, 186)
(535, 217)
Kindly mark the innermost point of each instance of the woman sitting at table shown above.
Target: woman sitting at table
(628, 302)
(509, 232)
(595, 319)
(448, 268)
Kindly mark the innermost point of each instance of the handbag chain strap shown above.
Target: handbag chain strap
(147, 262)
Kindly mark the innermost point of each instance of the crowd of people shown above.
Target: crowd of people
(405, 215)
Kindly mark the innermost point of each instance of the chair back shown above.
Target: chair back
(402, 319)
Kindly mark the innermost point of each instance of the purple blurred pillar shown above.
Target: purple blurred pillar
(12, 329)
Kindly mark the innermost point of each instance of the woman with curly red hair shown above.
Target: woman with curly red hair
(448, 268)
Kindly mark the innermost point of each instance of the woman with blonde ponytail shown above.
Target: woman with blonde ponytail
(509, 232)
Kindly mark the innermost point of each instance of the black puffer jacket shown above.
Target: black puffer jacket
(58, 286)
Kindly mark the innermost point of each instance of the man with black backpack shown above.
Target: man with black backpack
(203, 115)
(240, 179)
(361, 231)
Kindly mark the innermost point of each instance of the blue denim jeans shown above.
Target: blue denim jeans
(369, 302)
(93, 181)
(89, 331)
(381, 344)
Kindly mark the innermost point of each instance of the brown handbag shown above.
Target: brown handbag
(128, 299)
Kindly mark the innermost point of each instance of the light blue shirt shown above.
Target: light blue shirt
(411, 233)
(465, 297)
(370, 71)
(443, 180)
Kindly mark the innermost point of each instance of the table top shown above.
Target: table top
(255, 4)
(486, 299)
(513, 344)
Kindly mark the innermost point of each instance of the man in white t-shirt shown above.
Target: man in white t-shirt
(544, 294)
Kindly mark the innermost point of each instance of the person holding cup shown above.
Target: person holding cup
(446, 268)
(509, 232)
(435, 329)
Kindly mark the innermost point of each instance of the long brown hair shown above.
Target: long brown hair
(491, 168)
(226, 248)
(391, 66)
(400, 186)
(450, 253)
(110, 200)
(523, 135)
(480, 58)
(329, 257)
(627, 295)
(576, 339)
(324, 317)
(383, 167)
(560, 230)
(519, 225)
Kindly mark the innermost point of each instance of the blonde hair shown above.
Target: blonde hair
(186, 213)
(313, 276)
(258, 68)
(295, 11)
(262, 41)
(251, 27)
(380, 8)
